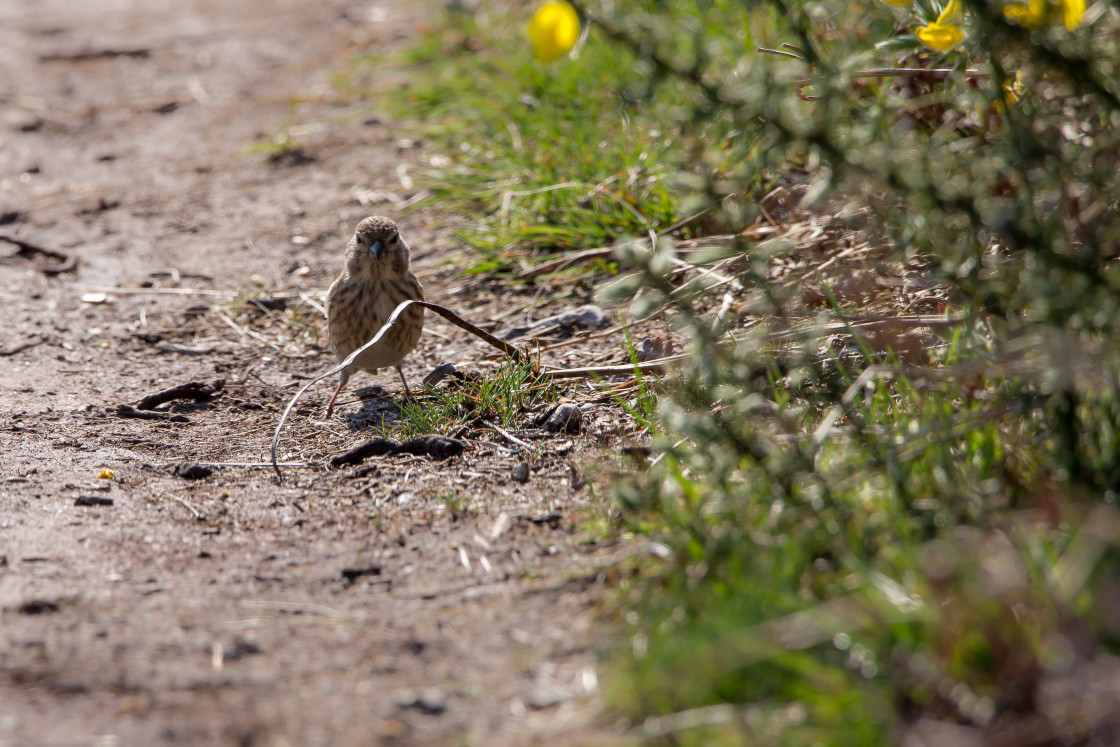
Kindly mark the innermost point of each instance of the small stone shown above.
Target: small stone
(192, 471)
(653, 348)
(22, 120)
(521, 471)
(585, 316)
(546, 697)
(431, 700)
(567, 418)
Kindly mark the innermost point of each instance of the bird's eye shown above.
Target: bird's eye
(392, 239)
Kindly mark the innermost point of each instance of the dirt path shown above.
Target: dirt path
(407, 601)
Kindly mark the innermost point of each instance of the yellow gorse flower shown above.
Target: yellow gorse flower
(940, 36)
(1036, 13)
(553, 30)
(1030, 15)
(944, 33)
(1072, 10)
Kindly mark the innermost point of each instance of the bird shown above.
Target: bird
(374, 281)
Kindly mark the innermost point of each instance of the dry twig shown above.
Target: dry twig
(508, 436)
(62, 262)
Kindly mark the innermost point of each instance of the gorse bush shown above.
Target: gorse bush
(882, 498)
(858, 540)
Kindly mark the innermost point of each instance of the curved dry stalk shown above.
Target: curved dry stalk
(510, 350)
(652, 366)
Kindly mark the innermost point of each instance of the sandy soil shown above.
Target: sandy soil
(402, 601)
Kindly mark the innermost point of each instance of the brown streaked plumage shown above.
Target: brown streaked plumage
(374, 281)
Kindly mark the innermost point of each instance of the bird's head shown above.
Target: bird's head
(377, 247)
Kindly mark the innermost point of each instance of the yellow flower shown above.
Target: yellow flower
(106, 474)
(952, 12)
(1030, 15)
(1072, 10)
(944, 33)
(941, 37)
(1035, 13)
(553, 30)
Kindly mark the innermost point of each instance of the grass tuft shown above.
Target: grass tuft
(467, 401)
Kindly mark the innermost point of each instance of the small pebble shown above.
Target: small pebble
(192, 471)
(546, 697)
(567, 418)
(431, 700)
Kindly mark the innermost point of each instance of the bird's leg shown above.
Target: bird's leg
(407, 392)
(330, 406)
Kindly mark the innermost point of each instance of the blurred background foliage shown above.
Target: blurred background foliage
(880, 495)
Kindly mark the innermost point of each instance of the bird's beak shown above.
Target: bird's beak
(376, 248)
